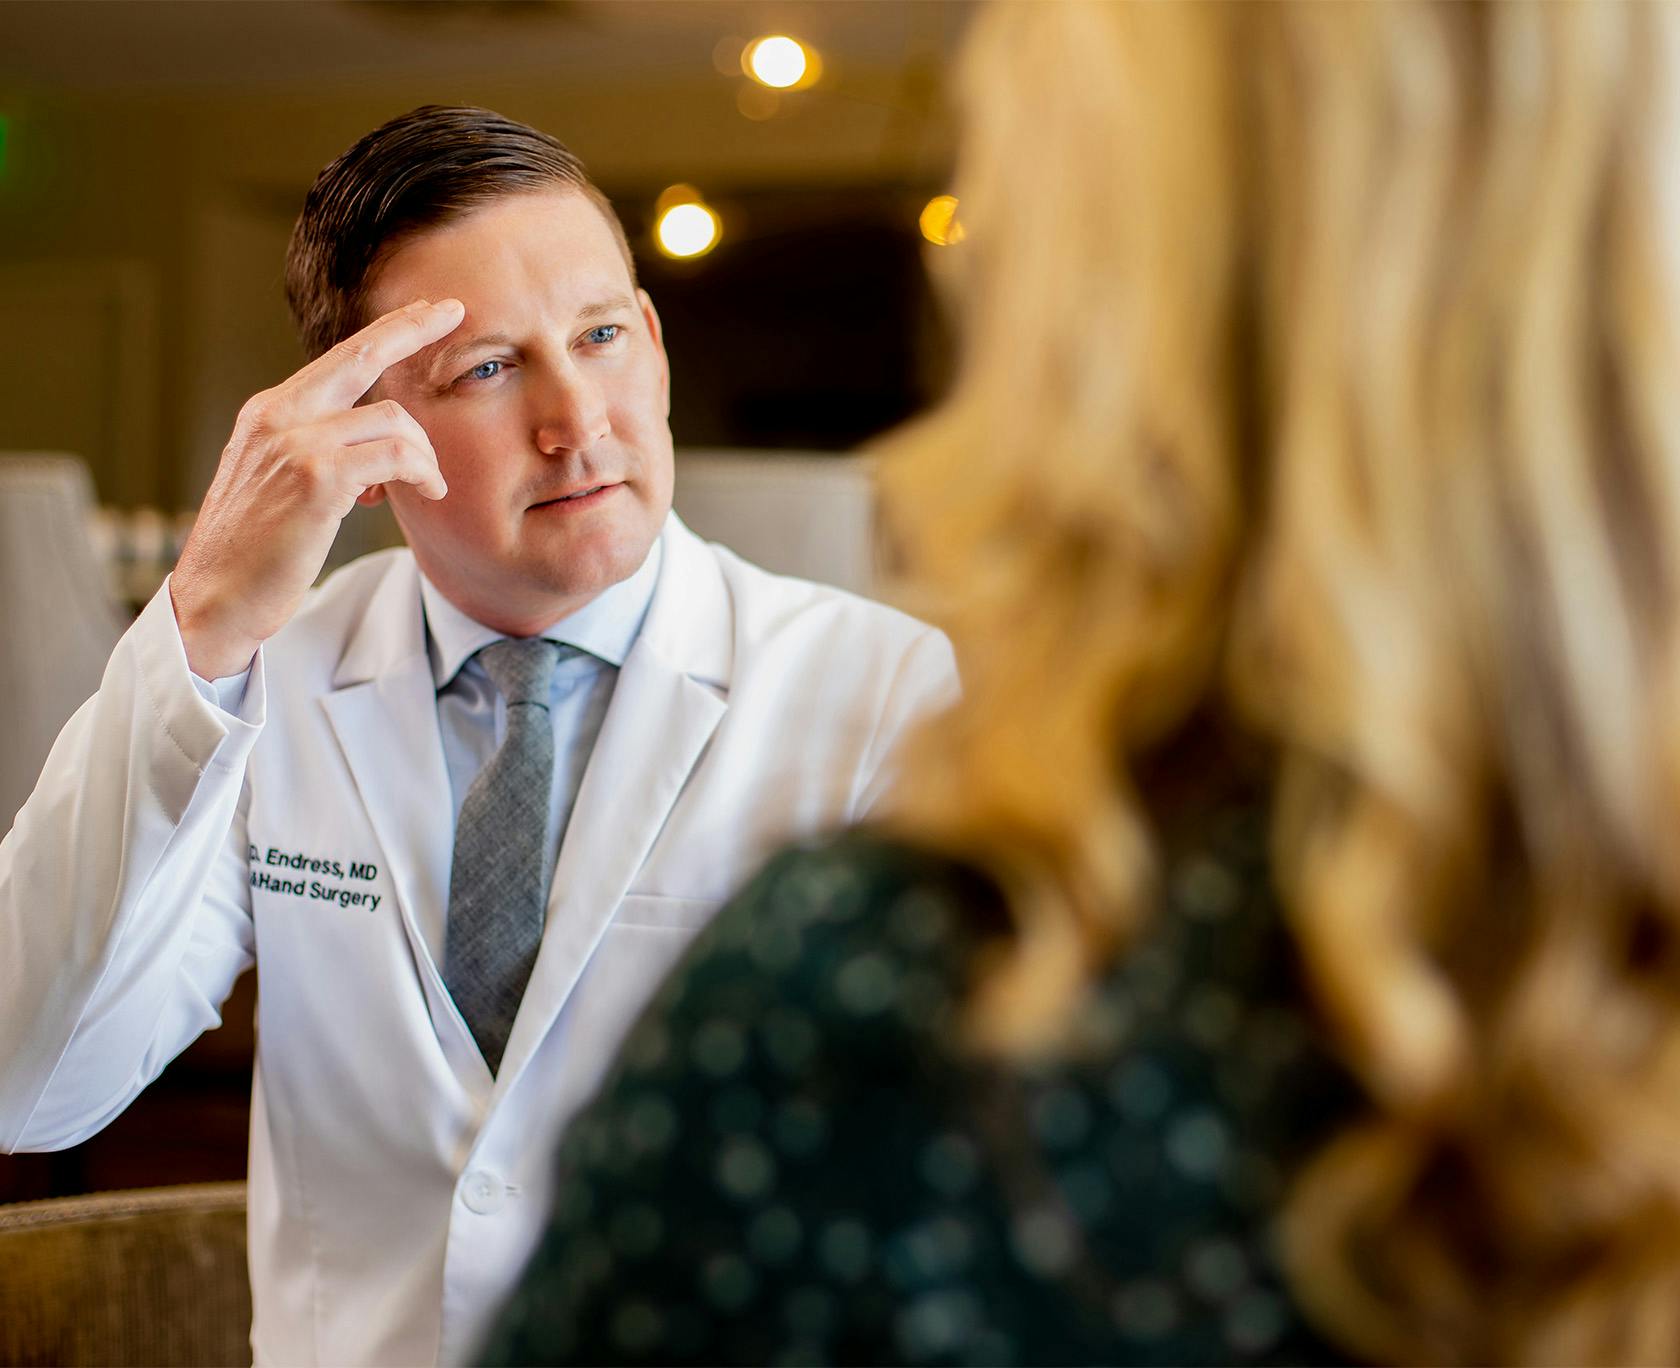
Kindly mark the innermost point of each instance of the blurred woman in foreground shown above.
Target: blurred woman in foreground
(1307, 517)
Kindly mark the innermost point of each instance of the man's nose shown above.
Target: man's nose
(571, 411)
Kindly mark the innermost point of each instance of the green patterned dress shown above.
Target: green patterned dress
(796, 1161)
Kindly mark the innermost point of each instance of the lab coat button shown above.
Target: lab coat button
(483, 1193)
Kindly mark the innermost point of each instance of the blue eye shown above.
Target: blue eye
(602, 335)
(484, 370)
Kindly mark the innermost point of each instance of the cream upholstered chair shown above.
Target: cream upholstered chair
(57, 620)
(796, 513)
(150, 1277)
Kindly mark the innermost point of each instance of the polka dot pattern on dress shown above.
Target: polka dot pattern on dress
(798, 1160)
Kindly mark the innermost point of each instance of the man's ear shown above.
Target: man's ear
(650, 316)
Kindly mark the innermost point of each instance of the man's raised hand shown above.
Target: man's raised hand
(300, 456)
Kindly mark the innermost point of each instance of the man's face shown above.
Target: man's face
(555, 383)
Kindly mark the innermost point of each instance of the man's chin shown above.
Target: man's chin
(585, 567)
(592, 556)
(559, 569)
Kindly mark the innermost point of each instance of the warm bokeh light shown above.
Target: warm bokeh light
(726, 54)
(676, 194)
(780, 62)
(939, 221)
(757, 102)
(688, 229)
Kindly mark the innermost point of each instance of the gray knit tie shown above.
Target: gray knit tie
(498, 884)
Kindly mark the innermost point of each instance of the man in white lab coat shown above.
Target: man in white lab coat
(275, 773)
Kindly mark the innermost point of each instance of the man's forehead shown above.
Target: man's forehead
(560, 237)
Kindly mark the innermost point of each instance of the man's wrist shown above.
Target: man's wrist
(213, 652)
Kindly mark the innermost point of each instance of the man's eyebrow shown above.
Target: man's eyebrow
(618, 304)
(447, 353)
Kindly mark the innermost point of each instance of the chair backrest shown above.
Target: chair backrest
(796, 513)
(150, 1277)
(57, 621)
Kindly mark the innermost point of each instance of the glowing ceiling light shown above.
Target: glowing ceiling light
(780, 62)
(687, 229)
(939, 221)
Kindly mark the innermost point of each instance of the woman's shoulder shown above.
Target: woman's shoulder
(856, 927)
(1142, 1171)
(845, 879)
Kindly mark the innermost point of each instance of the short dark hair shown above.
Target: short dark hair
(420, 170)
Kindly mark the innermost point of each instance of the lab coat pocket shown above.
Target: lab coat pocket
(660, 910)
(646, 939)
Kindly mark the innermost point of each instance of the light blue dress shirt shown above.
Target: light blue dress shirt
(472, 715)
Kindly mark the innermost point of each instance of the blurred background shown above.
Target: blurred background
(782, 199)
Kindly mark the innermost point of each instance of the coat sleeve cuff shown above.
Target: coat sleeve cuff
(207, 733)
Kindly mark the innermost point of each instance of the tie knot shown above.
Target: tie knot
(522, 667)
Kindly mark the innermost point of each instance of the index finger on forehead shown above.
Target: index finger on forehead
(338, 378)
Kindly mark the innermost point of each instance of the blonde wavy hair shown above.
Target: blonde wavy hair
(1322, 361)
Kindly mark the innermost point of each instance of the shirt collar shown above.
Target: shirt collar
(606, 626)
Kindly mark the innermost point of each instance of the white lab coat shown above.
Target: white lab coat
(395, 1187)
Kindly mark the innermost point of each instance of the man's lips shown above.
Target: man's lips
(583, 494)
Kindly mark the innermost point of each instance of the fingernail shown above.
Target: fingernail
(452, 304)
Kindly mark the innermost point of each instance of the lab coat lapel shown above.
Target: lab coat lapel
(384, 712)
(668, 701)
